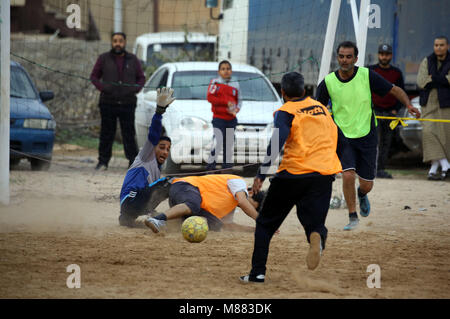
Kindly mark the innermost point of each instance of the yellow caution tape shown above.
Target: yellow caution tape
(396, 120)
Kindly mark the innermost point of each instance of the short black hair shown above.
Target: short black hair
(224, 62)
(165, 138)
(348, 44)
(119, 33)
(442, 37)
(293, 84)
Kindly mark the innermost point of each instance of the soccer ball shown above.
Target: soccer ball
(195, 229)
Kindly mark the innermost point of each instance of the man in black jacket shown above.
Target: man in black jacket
(118, 75)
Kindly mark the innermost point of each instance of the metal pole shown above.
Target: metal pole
(361, 37)
(117, 15)
(4, 97)
(329, 39)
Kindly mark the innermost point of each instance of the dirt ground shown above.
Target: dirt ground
(68, 215)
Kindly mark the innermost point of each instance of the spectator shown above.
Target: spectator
(385, 106)
(433, 80)
(118, 75)
(223, 94)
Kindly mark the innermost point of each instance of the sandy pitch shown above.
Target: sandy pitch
(69, 216)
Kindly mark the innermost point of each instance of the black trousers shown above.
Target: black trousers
(109, 115)
(385, 135)
(311, 196)
(221, 141)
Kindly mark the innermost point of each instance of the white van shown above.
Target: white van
(158, 48)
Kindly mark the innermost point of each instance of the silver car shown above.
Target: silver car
(411, 135)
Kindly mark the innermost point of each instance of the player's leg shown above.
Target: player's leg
(312, 209)
(185, 200)
(133, 206)
(348, 183)
(277, 205)
(366, 167)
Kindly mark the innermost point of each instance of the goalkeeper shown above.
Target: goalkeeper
(143, 189)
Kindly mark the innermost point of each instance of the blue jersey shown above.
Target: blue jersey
(145, 169)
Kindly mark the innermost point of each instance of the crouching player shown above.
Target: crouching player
(142, 188)
(304, 178)
(214, 197)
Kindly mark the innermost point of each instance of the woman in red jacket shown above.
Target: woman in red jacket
(223, 94)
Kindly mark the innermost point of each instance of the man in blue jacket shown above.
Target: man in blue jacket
(143, 189)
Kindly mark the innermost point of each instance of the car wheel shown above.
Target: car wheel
(39, 165)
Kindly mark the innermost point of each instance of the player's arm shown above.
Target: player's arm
(404, 99)
(164, 98)
(245, 205)
(282, 124)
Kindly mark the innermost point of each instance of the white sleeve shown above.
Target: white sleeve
(237, 185)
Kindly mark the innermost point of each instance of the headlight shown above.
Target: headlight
(41, 124)
(194, 124)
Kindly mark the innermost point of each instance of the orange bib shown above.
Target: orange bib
(312, 142)
(216, 197)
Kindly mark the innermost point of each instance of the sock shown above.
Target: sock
(361, 194)
(444, 164)
(161, 216)
(434, 167)
(353, 215)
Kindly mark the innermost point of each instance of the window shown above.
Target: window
(21, 86)
(193, 85)
(158, 54)
(159, 79)
(227, 4)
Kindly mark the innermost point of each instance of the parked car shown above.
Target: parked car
(411, 135)
(188, 119)
(32, 127)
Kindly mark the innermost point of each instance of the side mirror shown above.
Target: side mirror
(150, 96)
(46, 95)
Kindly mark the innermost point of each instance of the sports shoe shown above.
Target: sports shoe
(364, 206)
(315, 251)
(353, 224)
(155, 224)
(249, 278)
(435, 177)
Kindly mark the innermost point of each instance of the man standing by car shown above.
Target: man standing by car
(350, 91)
(224, 96)
(118, 75)
(385, 106)
(433, 80)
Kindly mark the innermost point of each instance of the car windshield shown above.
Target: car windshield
(193, 85)
(21, 86)
(158, 54)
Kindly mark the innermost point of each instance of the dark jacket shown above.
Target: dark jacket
(118, 88)
(439, 81)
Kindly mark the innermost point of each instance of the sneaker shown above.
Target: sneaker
(315, 251)
(434, 177)
(383, 174)
(353, 224)
(364, 206)
(101, 166)
(155, 224)
(249, 278)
